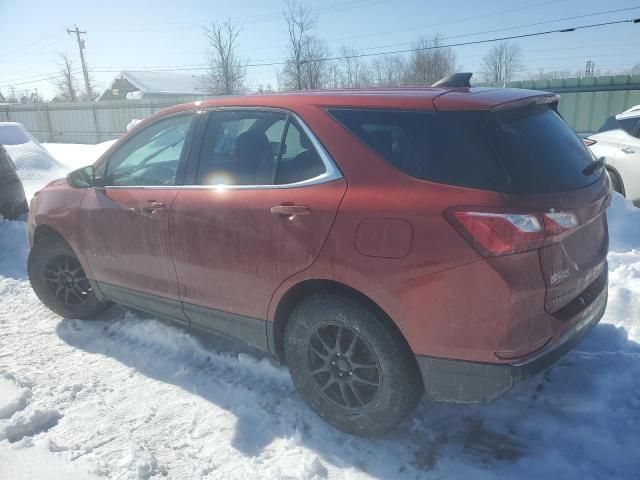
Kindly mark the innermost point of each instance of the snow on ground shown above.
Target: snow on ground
(131, 397)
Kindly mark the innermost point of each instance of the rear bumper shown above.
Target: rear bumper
(459, 381)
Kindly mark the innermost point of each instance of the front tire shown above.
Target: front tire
(59, 280)
(354, 370)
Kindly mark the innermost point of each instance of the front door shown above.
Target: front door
(127, 221)
(264, 199)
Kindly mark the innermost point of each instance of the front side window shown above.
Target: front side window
(255, 147)
(152, 156)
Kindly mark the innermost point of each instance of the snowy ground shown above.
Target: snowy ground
(129, 396)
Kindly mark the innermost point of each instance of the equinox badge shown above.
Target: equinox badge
(557, 276)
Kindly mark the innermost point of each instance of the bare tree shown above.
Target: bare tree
(66, 81)
(389, 70)
(227, 72)
(306, 63)
(430, 61)
(334, 75)
(11, 96)
(501, 63)
(356, 72)
(315, 69)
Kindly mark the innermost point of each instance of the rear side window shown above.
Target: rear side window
(630, 125)
(420, 144)
(522, 150)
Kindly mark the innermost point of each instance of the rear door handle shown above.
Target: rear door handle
(290, 210)
(628, 150)
(151, 206)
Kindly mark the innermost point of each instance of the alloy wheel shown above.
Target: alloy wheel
(343, 366)
(66, 279)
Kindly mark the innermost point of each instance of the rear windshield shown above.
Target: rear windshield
(522, 150)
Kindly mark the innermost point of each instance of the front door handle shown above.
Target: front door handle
(628, 150)
(290, 210)
(151, 206)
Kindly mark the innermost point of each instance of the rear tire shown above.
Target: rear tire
(616, 182)
(355, 371)
(59, 281)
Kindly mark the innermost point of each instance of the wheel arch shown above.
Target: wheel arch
(613, 171)
(43, 231)
(304, 289)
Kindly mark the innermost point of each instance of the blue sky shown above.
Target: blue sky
(146, 35)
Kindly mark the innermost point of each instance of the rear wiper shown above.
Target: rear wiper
(595, 165)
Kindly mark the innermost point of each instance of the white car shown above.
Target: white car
(618, 141)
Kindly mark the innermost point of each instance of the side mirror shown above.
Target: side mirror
(83, 178)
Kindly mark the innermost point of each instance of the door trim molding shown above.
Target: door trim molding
(155, 304)
(250, 330)
(240, 327)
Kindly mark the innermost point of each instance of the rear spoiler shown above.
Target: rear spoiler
(457, 80)
(550, 99)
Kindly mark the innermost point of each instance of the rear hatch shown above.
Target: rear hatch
(547, 175)
(548, 169)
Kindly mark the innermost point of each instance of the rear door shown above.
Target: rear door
(264, 196)
(127, 222)
(627, 157)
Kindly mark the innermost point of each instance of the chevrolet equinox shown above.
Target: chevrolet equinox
(385, 244)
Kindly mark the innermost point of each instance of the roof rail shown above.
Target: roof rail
(457, 80)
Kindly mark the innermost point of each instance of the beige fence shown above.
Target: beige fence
(83, 122)
(586, 103)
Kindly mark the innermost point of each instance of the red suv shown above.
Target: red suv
(382, 243)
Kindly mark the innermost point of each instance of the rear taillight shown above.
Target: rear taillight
(494, 233)
(588, 142)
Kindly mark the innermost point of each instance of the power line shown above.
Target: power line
(204, 66)
(460, 44)
(24, 47)
(448, 22)
(458, 20)
(408, 50)
(476, 42)
(253, 19)
(42, 79)
(514, 27)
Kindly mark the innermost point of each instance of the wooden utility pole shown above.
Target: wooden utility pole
(81, 47)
